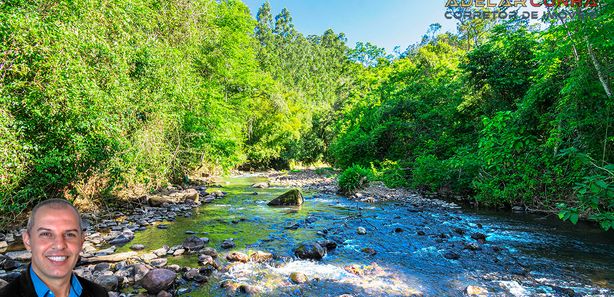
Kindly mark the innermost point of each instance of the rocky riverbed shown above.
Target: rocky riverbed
(224, 240)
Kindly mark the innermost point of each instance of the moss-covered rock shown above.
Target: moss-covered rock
(292, 197)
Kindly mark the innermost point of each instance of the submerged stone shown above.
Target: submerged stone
(298, 277)
(290, 198)
(310, 250)
(451, 256)
(228, 243)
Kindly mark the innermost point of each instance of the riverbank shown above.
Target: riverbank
(223, 240)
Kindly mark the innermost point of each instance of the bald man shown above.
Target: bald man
(55, 237)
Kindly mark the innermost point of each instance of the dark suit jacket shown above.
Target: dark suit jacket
(23, 287)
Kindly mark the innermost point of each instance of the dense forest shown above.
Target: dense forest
(105, 99)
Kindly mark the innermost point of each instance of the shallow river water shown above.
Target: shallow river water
(406, 251)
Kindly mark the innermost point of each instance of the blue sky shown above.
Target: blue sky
(386, 23)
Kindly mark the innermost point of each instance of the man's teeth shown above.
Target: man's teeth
(57, 259)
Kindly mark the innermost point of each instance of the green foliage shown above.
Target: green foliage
(595, 193)
(353, 178)
(429, 173)
(510, 169)
(391, 173)
(493, 112)
(138, 93)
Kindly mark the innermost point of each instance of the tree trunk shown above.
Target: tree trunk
(602, 78)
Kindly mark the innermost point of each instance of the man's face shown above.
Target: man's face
(55, 241)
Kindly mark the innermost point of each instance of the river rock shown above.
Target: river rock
(476, 291)
(158, 201)
(262, 185)
(107, 251)
(121, 239)
(137, 247)
(161, 251)
(298, 277)
(157, 280)
(230, 286)
(290, 198)
(249, 289)
(193, 243)
(110, 258)
(160, 262)
(9, 237)
(148, 257)
(187, 196)
(564, 291)
(459, 231)
(190, 195)
(20, 255)
(260, 256)
(109, 282)
(101, 267)
(209, 251)
(228, 243)
(126, 272)
(237, 257)
(479, 236)
(328, 244)
(369, 251)
(451, 256)
(140, 270)
(10, 264)
(164, 294)
(472, 246)
(3, 283)
(310, 250)
(361, 231)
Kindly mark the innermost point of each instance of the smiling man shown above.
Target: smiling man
(55, 237)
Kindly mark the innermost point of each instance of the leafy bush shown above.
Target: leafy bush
(391, 173)
(595, 193)
(14, 160)
(353, 179)
(429, 173)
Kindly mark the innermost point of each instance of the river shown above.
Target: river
(407, 250)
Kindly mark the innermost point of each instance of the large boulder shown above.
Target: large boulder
(157, 280)
(310, 250)
(290, 198)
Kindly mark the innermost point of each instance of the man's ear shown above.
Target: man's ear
(26, 240)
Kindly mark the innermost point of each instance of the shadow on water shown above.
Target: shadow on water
(406, 250)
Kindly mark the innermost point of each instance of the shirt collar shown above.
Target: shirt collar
(43, 291)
